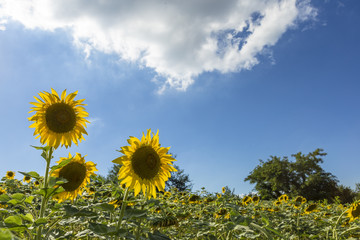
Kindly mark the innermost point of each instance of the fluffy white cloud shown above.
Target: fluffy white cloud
(178, 39)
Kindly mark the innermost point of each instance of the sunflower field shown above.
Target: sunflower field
(70, 201)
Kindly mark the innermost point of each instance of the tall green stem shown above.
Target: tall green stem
(45, 198)
(335, 235)
(122, 211)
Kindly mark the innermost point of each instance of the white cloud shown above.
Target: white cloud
(178, 39)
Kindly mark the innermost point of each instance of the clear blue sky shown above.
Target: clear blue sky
(226, 85)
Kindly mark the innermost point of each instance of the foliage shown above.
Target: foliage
(175, 215)
(304, 177)
(179, 180)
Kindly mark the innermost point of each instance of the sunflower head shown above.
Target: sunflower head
(58, 120)
(246, 200)
(311, 208)
(145, 165)
(2, 190)
(283, 198)
(223, 190)
(77, 173)
(354, 211)
(27, 179)
(10, 175)
(255, 199)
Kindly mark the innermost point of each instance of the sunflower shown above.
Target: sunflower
(145, 165)
(58, 120)
(255, 199)
(223, 190)
(311, 208)
(283, 198)
(77, 173)
(299, 200)
(27, 179)
(2, 190)
(246, 200)
(354, 211)
(10, 175)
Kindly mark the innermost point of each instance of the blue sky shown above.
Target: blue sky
(222, 103)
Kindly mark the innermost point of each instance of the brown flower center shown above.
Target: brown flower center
(146, 162)
(60, 118)
(75, 174)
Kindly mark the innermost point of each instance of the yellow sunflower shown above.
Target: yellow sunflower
(58, 120)
(354, 211)
(311, 208)
(27, 179)
(77, 172)
(223, 189)
(2, 190)
(10, 175)
(145, 165)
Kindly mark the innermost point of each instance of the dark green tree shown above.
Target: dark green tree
(303, 177)
(179, 180)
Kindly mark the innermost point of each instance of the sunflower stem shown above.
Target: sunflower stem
(122, 211)
(142, 208)
(335, 235)
(46, 184)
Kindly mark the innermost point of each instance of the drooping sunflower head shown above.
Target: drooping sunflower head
(10, 175)
(58, 120)
(311, 208)
(145, 165)
(77, 173)
(354, 211)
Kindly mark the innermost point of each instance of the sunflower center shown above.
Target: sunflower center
(75, 174)
(60, 118)
(10, 174)
(146, 162)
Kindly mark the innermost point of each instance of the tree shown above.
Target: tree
(303, 177)
(179, 180)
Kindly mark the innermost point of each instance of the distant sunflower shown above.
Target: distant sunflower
(2, 190)
(10, 175)
(36, 183)
(354, 211)
(27, 179)
(311, 208)
(283, 198)
(246, 200)
(223, 190)
(299, 200)
(77, 172)
(145, 165)
(58, 120)
(255, 199)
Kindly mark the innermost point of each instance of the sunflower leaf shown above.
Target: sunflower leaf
(18, 196)
(46, 148)
(31, 174)
(62, 164)
(4, 198)
(158, 236)
(53, 181)
(105, 207)
(72, 211)
(13, 221)
(135, 213)
(104, 230)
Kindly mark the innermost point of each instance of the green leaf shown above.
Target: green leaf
(14, 202)
(40, 221)
(4, 198)
(31, 174)
(29, 199)
(72, 211)
(104, 230)
(158, 236)
(13, 221)
(5, 234)
(28, 217)
(60, 165)
(105, 207)
(46, 148)
(135, 213)
(18, 196)
(53, 181)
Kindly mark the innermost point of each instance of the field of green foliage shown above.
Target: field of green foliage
(172, 215)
